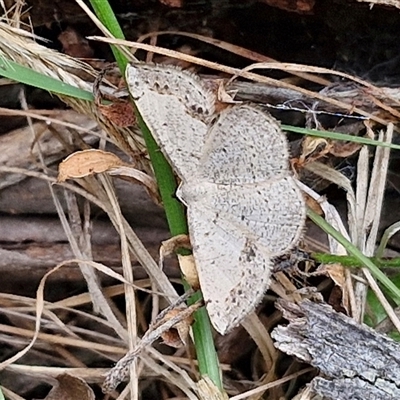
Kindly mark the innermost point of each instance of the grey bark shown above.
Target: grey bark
(356, 363)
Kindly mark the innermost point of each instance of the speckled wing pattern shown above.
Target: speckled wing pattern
(176, 108)
(244, 208)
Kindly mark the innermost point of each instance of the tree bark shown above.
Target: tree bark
(355, 362)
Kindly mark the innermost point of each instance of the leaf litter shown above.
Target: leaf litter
(122, 225)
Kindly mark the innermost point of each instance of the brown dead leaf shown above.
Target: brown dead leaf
(344, 149)
(313, 148)
(188, 268)
(87, 162)
(313, 204)
(172, 3)
(70, 388)
(177, 336)
(334, 271)
(120, 112)
(169, 246)
(298, 6)
(337, 273)
(74, 44)
(186, 262)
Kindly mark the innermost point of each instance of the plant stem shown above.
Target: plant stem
(106, 15)
(391, 288)
(174, 210)
(350, 261)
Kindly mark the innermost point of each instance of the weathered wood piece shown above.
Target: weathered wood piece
(20, 149)
(31, 246)
(357, 362)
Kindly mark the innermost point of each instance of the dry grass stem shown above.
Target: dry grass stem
(334, 176)
(267, 386)
(118, 333)
(248, 75)
(251, 55)
(19, 46)
(130, 300)
(135, 245)
(156, 330)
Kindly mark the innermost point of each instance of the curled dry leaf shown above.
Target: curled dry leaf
(344, 149)
(337, 273)
(170, 246)
(188, 268)
(178, 334)
(313, 204)
(133, 174)
(186, 262)
(118, 111)
(87, 162)
(313, 148)
(70, 388)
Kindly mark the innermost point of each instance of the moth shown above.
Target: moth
(243, 206)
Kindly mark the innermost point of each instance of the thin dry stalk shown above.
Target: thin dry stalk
(99, 301)
(263, 388)
(135, 245)
(39, 311)
(333, 218)
(120, 371)
(9, 394)
(371, 220)
(250, 54)
(248, 75)
(334, 176)
(129, 291)
(21, 46)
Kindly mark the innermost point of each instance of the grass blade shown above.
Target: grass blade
(19, 73)
(339, 136)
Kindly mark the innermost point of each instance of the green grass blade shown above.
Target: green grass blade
(206, 355)
(12, 70)
(202, 331)
(339, 136)
(391, 288)
(350, 261)
(375, 312)
(106, 15)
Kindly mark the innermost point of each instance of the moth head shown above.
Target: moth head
(135, 81)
